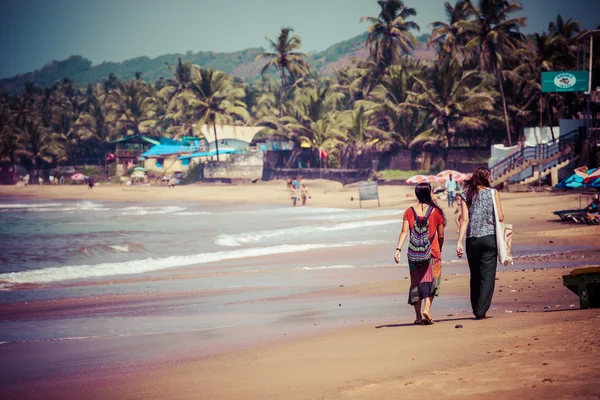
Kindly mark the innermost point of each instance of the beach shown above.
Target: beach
(247, 298)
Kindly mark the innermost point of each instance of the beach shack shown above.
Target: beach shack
(166, 157)
(129, 149)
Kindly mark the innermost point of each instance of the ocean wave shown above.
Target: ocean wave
(254, 237)
(351, 215)
(26, 206)
(72, 272)
(151, 210)
(193, 213)
(327, 267)
(83, 206)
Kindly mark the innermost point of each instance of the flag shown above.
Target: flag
(324, 154)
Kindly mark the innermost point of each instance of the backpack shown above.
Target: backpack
(419, 245)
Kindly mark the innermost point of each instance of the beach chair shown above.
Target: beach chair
(566, 214)
(585, 283)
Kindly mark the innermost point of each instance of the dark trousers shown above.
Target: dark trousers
(482, 254)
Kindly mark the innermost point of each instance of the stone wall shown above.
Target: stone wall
(345, 176)
(245, 166)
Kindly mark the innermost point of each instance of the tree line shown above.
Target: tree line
(482, 87)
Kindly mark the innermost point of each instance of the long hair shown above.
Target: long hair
(423, 194)
(480, 178)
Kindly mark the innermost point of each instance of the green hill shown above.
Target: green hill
(239, 63)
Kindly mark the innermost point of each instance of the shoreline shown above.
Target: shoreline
(346, 334)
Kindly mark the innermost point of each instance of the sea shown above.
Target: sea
(225, 275)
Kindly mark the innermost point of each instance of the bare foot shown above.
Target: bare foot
(427, 319)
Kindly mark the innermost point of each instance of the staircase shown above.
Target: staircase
(543, 158)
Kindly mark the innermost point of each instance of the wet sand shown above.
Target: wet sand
(537, 344)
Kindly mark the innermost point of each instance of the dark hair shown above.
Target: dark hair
(480, 178)
(423, 193)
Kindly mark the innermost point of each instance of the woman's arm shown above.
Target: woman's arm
(440, 235)
(500, 212)
(401, 240)
(464, 222)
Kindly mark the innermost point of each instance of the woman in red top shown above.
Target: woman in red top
(425, 278)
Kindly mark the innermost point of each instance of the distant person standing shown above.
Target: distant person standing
(90, 182)
(61, 180)
(451, 190)
(304, 194)
(40, 180)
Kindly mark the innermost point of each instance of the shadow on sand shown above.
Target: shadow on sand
(434, 320)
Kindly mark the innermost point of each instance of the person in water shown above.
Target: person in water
(425, 276)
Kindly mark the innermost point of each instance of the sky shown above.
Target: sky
(35, 32)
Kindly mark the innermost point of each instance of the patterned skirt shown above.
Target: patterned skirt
(425, 280)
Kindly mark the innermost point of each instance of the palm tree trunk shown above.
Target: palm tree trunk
(216, 139)
(499, 79)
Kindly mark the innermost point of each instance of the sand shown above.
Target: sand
(537, 343)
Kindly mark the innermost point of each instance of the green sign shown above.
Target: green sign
(565, 81)
(368, 191)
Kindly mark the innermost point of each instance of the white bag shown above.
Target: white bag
(503, 236)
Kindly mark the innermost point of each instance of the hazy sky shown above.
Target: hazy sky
(35, 32)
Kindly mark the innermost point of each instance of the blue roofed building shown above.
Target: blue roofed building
(165, 156)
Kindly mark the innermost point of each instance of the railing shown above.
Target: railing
(535, 153)
(129, 153)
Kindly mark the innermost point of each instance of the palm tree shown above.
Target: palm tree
(495, 37)
(453, 101)
(388, 102)
(449, 38)
(291, 64)
(38, 144)
(212, 99)
(389, 34)
(9, 144)
(182, 77)
(362, 134)
(132, 108)
(92, 125)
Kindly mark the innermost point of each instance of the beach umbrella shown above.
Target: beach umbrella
(592, 177)
(78, 177)
(416, 179)
(138, 174)
(446, 174)
(140, 169)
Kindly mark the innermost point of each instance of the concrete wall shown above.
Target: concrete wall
(345, 176)
(247, 166)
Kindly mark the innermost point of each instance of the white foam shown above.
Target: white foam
(38, 205)
(121, 249)
(253, 237)
(351, 215)
(83, 206)
(151, 210)
(193, 213)
(328, 267)
(70, 272)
